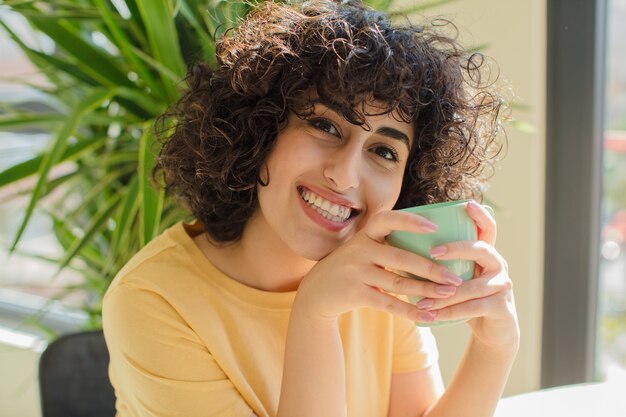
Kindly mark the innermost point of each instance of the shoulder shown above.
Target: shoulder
(163, 262)
(156, 253)
(159, 283)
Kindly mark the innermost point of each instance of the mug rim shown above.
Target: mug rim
(427, 207)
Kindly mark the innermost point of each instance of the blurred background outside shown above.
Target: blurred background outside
(28, 285)
(611, 339)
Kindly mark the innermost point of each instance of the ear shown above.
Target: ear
(264, 175)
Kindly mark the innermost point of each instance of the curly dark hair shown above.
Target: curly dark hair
(228, 118)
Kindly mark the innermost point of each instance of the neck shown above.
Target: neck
(258, 262)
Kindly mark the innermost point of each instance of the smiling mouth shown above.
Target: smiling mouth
(329, 210)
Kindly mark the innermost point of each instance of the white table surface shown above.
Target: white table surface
(604, 399)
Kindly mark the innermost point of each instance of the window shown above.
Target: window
(575, 75)
(27, 285)
(611, 337)
(584, 334)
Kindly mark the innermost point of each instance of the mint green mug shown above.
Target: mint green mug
(454, 225)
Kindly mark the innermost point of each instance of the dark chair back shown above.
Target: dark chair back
(73, 377)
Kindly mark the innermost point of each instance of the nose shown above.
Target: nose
(343, 168)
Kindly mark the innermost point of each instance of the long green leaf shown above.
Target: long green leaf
(66, 180)
(158, 19)
(95, 62)
(96, 194)
(30, 167)
(405, 11)
(137, 27)
(51, 65)
(121, 157)
(80, 16)
(96, 224)
(165, 73)
(66, 238)
(57, 149)
(523, 126)
(129, 243)
(73, 69)
(123, 219)
(205, 41)
(29, 120)
(150, 200)
(124, 44)
(45, 61)
(223, 15)
(142, 99)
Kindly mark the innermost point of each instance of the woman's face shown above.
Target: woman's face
(328, 177)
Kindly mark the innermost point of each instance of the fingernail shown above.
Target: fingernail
(438, 251)
(473, 204)
(451, 278)
(426, 317)
(429, 226)
(445, 289)
(425, 303)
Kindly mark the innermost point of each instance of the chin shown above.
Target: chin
(315, 252)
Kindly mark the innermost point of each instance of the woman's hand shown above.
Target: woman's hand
(487, 298)
(360, 274)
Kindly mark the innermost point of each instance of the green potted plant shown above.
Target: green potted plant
(116, 65)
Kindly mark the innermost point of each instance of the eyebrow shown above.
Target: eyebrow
(390, 132)
(394, 134)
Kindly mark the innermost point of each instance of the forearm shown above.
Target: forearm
(314, 371)
(478, 383)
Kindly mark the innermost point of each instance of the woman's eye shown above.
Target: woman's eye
(386, 152)
(325, 126)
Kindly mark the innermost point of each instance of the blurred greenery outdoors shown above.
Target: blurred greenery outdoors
(611, 341)
(115, 66)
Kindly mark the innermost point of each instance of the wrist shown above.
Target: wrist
(497, 336)
(504, 350)
(306, 314)
(311, 305)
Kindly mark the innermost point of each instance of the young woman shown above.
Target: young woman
(280, 299)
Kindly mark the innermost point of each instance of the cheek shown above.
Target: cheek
(384, 195)
(276, 164)
(388, 199)
(392, 191)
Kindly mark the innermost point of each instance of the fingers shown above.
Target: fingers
(468, 297)
(494, 277)
(479, 297)
(386, 222)
(487, 229)
(393, 305)
(478, 251)
(467, 310)
(492, 307)
(401, 260)
(493, 316)
(391, 282)
(444, 295)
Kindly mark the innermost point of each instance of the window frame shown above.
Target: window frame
(575, 111)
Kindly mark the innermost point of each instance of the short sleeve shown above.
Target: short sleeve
(159, 367)
(414, 348)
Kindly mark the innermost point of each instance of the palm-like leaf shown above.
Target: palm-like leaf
(116, 66)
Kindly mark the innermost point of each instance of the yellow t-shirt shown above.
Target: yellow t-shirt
(186, 340)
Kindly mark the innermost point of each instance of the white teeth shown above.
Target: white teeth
(328, 210)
